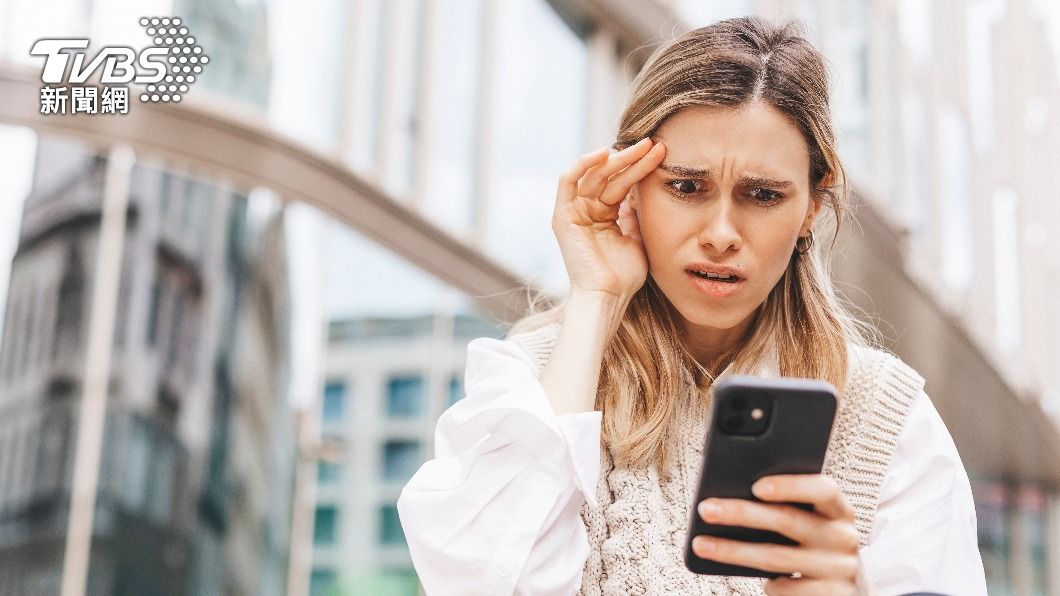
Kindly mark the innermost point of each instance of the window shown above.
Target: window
(955, 169)
(5, 334)
(404, 397)
(993, 510)
(1031, 503)
(30, 339)
(328, 472)
(981, 20)
(456, 389)
(163, 194)
(369, 41)
(321, 581)
(325, 525)
(698, 13)
(176, 329)
(71, 302)
(52, 449)
(917, 186)
(334, 400)
(152, 316)
(390, 525)
(1007, 320)
(399, 120)
(400, 460)
(161, 476)
(400, 581)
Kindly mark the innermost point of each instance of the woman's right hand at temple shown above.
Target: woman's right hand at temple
(596, 227)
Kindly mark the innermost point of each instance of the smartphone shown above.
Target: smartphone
(758, 427)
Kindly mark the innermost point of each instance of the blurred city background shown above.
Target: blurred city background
(230, 323)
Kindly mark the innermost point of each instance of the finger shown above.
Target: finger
(786, 586)
(776, 558)
(619, 184)
(568, 182)
(817, 489)
(808, 529)
(594, 180)
(628, 222)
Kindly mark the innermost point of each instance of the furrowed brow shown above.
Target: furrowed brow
(765, 182)
(687, 171)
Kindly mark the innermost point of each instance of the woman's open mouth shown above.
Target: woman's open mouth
(716, 282)
(730, 278)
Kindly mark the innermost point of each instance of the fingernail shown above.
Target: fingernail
(703, 544)
(762, 488)
(709, 509)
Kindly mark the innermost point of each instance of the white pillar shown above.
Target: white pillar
(90, 424)
(486, 116)
(606, 90)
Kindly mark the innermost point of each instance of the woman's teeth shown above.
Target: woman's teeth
(716, 277)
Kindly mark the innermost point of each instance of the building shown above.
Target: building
(387, 380)
(196, 470)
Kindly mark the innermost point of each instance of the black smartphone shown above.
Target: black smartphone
(758, 427)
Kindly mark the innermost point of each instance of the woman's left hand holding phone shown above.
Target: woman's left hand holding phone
(825, 560)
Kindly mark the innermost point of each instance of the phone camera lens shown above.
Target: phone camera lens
(737, 403)
(733, 423)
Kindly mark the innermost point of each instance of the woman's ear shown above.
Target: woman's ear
(817, 196)
(811, 215)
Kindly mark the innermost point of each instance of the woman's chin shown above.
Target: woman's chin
(721, 321)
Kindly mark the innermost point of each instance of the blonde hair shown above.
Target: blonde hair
(729, 63)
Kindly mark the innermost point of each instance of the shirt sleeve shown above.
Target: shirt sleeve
(924, 537)
(497, 509)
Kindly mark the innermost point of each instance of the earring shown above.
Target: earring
(806, 243)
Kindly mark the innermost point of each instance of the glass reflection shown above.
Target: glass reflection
(197, 450)
(197, 482)
(41, 361)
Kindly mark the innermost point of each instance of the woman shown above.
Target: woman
(571, 465)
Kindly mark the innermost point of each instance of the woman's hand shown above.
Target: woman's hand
(826, 557)
(597, 230)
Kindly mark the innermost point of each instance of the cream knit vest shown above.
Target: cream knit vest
(637, 531)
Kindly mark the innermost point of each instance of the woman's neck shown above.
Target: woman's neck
(715, 348)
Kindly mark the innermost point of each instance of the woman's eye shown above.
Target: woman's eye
(765, 196)
(682, 188)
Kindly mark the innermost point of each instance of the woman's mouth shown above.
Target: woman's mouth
(719, 283)
(727, 278)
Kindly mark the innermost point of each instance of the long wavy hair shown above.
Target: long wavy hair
(643, 386)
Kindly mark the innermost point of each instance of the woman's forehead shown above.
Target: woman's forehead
(755, 137)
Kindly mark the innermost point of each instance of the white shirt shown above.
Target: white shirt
(496, 511)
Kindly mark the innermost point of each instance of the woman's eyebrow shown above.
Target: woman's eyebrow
(688, 171)
(692, 172)
(773, 183)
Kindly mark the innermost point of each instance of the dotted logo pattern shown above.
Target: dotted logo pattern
(185, 58)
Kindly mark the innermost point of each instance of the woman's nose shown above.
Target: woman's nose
(718, 230)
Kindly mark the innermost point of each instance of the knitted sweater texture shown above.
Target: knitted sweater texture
(637, 530)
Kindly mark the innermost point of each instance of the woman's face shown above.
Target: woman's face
(730, 199)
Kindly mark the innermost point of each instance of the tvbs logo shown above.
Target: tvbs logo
(117, 63)
(167, 68)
